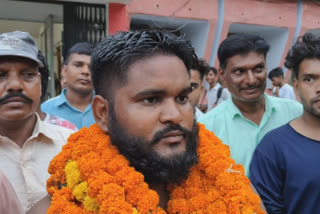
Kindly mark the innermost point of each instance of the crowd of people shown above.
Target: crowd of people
(144, 126)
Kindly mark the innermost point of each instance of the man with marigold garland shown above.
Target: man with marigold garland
(146, 153)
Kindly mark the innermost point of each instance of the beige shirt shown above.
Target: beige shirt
(9, 202)
(27, 167)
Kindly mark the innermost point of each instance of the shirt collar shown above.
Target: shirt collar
(61, 99)
(234, 110)
(271, 106)
(44, 128)
(216, 87)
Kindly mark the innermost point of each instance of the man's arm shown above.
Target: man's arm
(261, 203)
(9, 202)
(266, 176)
(41, 206)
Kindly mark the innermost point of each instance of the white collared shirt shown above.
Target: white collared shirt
(286, 91)
(212, 96)
(27, 167)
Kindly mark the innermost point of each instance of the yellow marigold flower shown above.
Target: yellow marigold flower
(135, 211)
(90, 204)
(80, 191)
(72, 174)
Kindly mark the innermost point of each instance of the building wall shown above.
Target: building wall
(279, 21)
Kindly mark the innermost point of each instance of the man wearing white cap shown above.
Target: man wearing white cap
(26, 143)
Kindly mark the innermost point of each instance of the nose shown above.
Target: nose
(251, 78)
(86, 70)
(14, 83)
(318, 86)
(171, 113)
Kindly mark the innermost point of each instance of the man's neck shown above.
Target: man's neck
(212, 85)
(282, 83)
(307, 125)
(253, 111)
(18, 131)
(164, 197)
(78, 100)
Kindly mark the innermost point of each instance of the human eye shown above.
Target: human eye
(28, 74)
(238, 71)
(151, 100)
(182, 99)
(3, 74)
(77, 64)
(307, 79)
(259, 68)
(194, 86)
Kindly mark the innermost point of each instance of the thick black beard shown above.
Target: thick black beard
(144, 159)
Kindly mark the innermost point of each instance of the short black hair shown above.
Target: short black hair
(241, 43)
(202, 67)
(276, 72)
(113, 55)
(213, 69)
(44, 71)
(84, 48)
(306, 47)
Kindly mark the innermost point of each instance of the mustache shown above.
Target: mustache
(157, 137)
(15, 94)
(316, 99)
(251, 87)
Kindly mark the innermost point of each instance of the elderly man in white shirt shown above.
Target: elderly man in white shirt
(27, 144)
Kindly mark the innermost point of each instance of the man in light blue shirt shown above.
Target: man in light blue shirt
(74, 102)
(242, 120)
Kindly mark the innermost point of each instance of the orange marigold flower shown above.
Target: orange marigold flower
(178, 206)
(111, 192)
(116, 207)
(215, 185)
(97, 181)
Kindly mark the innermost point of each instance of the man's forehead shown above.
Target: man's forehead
(251, 58)
(310, 66)
(194, 75)
(79, 57)
(167, 72)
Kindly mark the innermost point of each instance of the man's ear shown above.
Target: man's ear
(295, 85)
(221, 73)
(100, 107)
(63, 69)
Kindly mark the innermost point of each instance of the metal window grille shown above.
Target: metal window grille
(83, 23)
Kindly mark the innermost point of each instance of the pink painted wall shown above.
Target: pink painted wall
(274, 13)
(189, 9)
(118, 18)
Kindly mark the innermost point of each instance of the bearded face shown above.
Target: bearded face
(143, 157)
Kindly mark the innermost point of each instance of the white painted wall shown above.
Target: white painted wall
(30, 11)
(194, 30)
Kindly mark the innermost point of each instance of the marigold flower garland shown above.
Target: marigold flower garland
(89, 175)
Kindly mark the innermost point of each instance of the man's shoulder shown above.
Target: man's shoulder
(287, 86)
(55, 132)
(273, 137)
(51, 102)
(285, 103)
(216, 112)
(216, 116)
